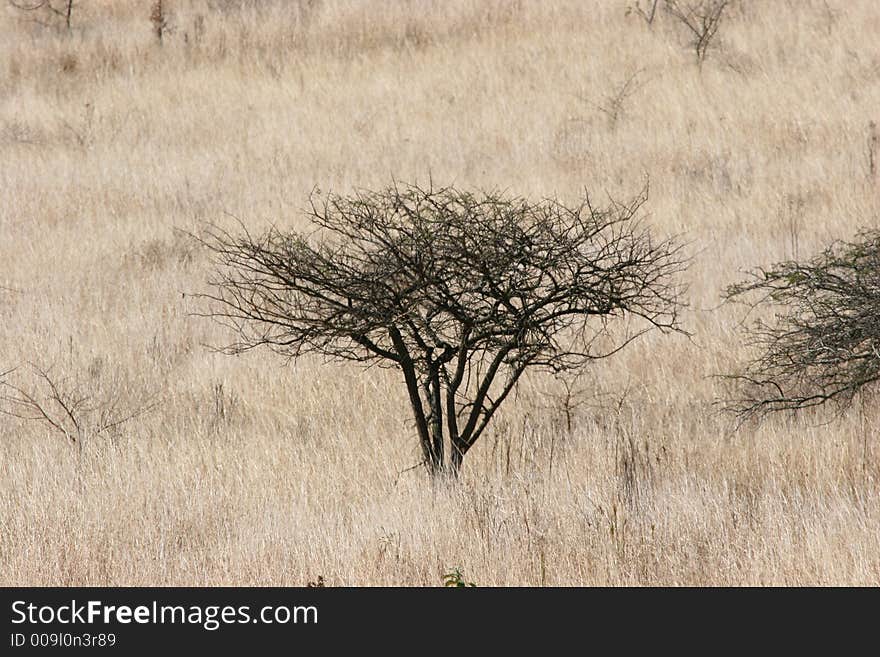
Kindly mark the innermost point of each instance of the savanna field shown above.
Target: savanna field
(161, 461)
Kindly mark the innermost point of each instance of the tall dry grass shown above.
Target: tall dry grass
(246, 471)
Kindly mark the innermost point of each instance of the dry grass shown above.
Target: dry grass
(250, 472)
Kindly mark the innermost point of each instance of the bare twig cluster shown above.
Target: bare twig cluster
(62, 404)
(614, 104)
(701, 18)
(461, 292)
(648, 13)
(824, 346)
(61, 9)
(83, 130)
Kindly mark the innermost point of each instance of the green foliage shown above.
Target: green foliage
(455, 579)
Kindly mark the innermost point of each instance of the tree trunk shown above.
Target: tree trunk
(435, 422)
(456, 457)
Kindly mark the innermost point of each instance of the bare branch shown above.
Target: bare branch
(701, 18)
(648, 13)
(63, 8)
(59, 403)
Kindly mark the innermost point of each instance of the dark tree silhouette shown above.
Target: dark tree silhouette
(824, 344)
(461, 292)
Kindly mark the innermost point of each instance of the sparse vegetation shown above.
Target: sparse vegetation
(823, 344)
(701, 19)
(614, 105)
(65, 405)
(39, 10)
(454, 579)
(648, 11)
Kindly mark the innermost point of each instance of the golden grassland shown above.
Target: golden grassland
(247, 470)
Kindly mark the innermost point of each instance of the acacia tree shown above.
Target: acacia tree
(824, 344)
(461, 292)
